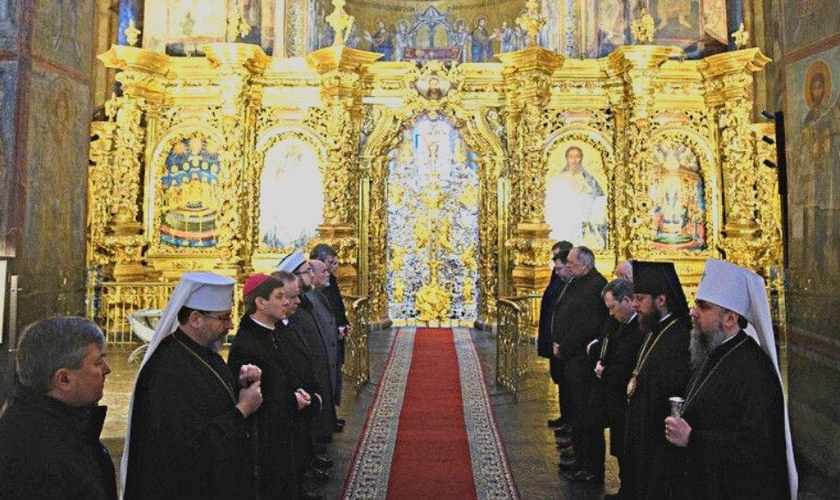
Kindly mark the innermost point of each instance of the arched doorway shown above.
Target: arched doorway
(432, 225)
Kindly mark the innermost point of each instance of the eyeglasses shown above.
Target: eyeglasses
(304, 271)
(223, 319)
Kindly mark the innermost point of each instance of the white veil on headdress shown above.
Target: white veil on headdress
(197, 290)
(742, 291)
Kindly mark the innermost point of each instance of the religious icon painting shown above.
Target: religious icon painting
(678, 218)
(291, 197)
(190, 192)
(576, 195)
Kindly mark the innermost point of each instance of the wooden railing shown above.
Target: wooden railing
(356, 368)
(517, 322)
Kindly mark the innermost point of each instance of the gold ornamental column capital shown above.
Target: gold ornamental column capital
(341, 58)
(729, 75)
(128, 58)
(142, 72)
(530, 250)
(235, 56)
(531, 59)
(641, 57)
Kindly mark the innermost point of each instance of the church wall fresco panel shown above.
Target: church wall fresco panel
(808, 22)
(810, 76)
(54, 247)
(8, 24)
(62, 33)
(8, 86)
(813, 139)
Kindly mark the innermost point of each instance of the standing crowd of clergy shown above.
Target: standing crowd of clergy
(692, 397)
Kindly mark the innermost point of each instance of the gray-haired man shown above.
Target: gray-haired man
(49, 429)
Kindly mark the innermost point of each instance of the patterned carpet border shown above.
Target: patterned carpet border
(491, 471)
(368, 475)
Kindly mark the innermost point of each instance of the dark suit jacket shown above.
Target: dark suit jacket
(579, 315)
(552, 291)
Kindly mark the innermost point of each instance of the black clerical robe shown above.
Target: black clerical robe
(333, 295)
(550, 294)
(297, 360)
(735, 408)
(187, 440)
(664, 373)
(254, 344)
(323, 365)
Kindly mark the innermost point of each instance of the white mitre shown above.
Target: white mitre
(197, 290)
(742, 291)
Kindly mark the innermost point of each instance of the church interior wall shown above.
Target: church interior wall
(804, 39)
(46, 60)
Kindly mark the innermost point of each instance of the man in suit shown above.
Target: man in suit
(579, 316)
(559, 276)
(613, 357)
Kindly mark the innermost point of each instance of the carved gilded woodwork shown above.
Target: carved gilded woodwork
(633, 109)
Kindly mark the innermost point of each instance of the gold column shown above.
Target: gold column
(341, 68)
(235, 63)
(373, 177)
(527, 74)
(142, 82)
(634, 70)
(730, 95)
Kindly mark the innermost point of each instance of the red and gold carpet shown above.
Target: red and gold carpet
(430, 431)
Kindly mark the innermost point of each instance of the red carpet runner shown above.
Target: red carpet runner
(432, 456)
(430, 434)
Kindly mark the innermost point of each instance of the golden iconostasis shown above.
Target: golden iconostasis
(442, 185)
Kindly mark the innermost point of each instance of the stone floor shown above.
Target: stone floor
(529, 443)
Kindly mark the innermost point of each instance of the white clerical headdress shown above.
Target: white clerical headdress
(742, 291)
(291, 262)
(197, 290)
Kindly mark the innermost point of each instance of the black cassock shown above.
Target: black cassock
(736, 448)
(187, 440)
(306, 323)
(254, 344)
(296, 359)
(648, 457)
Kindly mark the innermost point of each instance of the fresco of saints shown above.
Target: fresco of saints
(817, 150)
(461, 39)
(576, 204)
(482, 41)
(400, 40)
(507, 38)
(381, 41)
